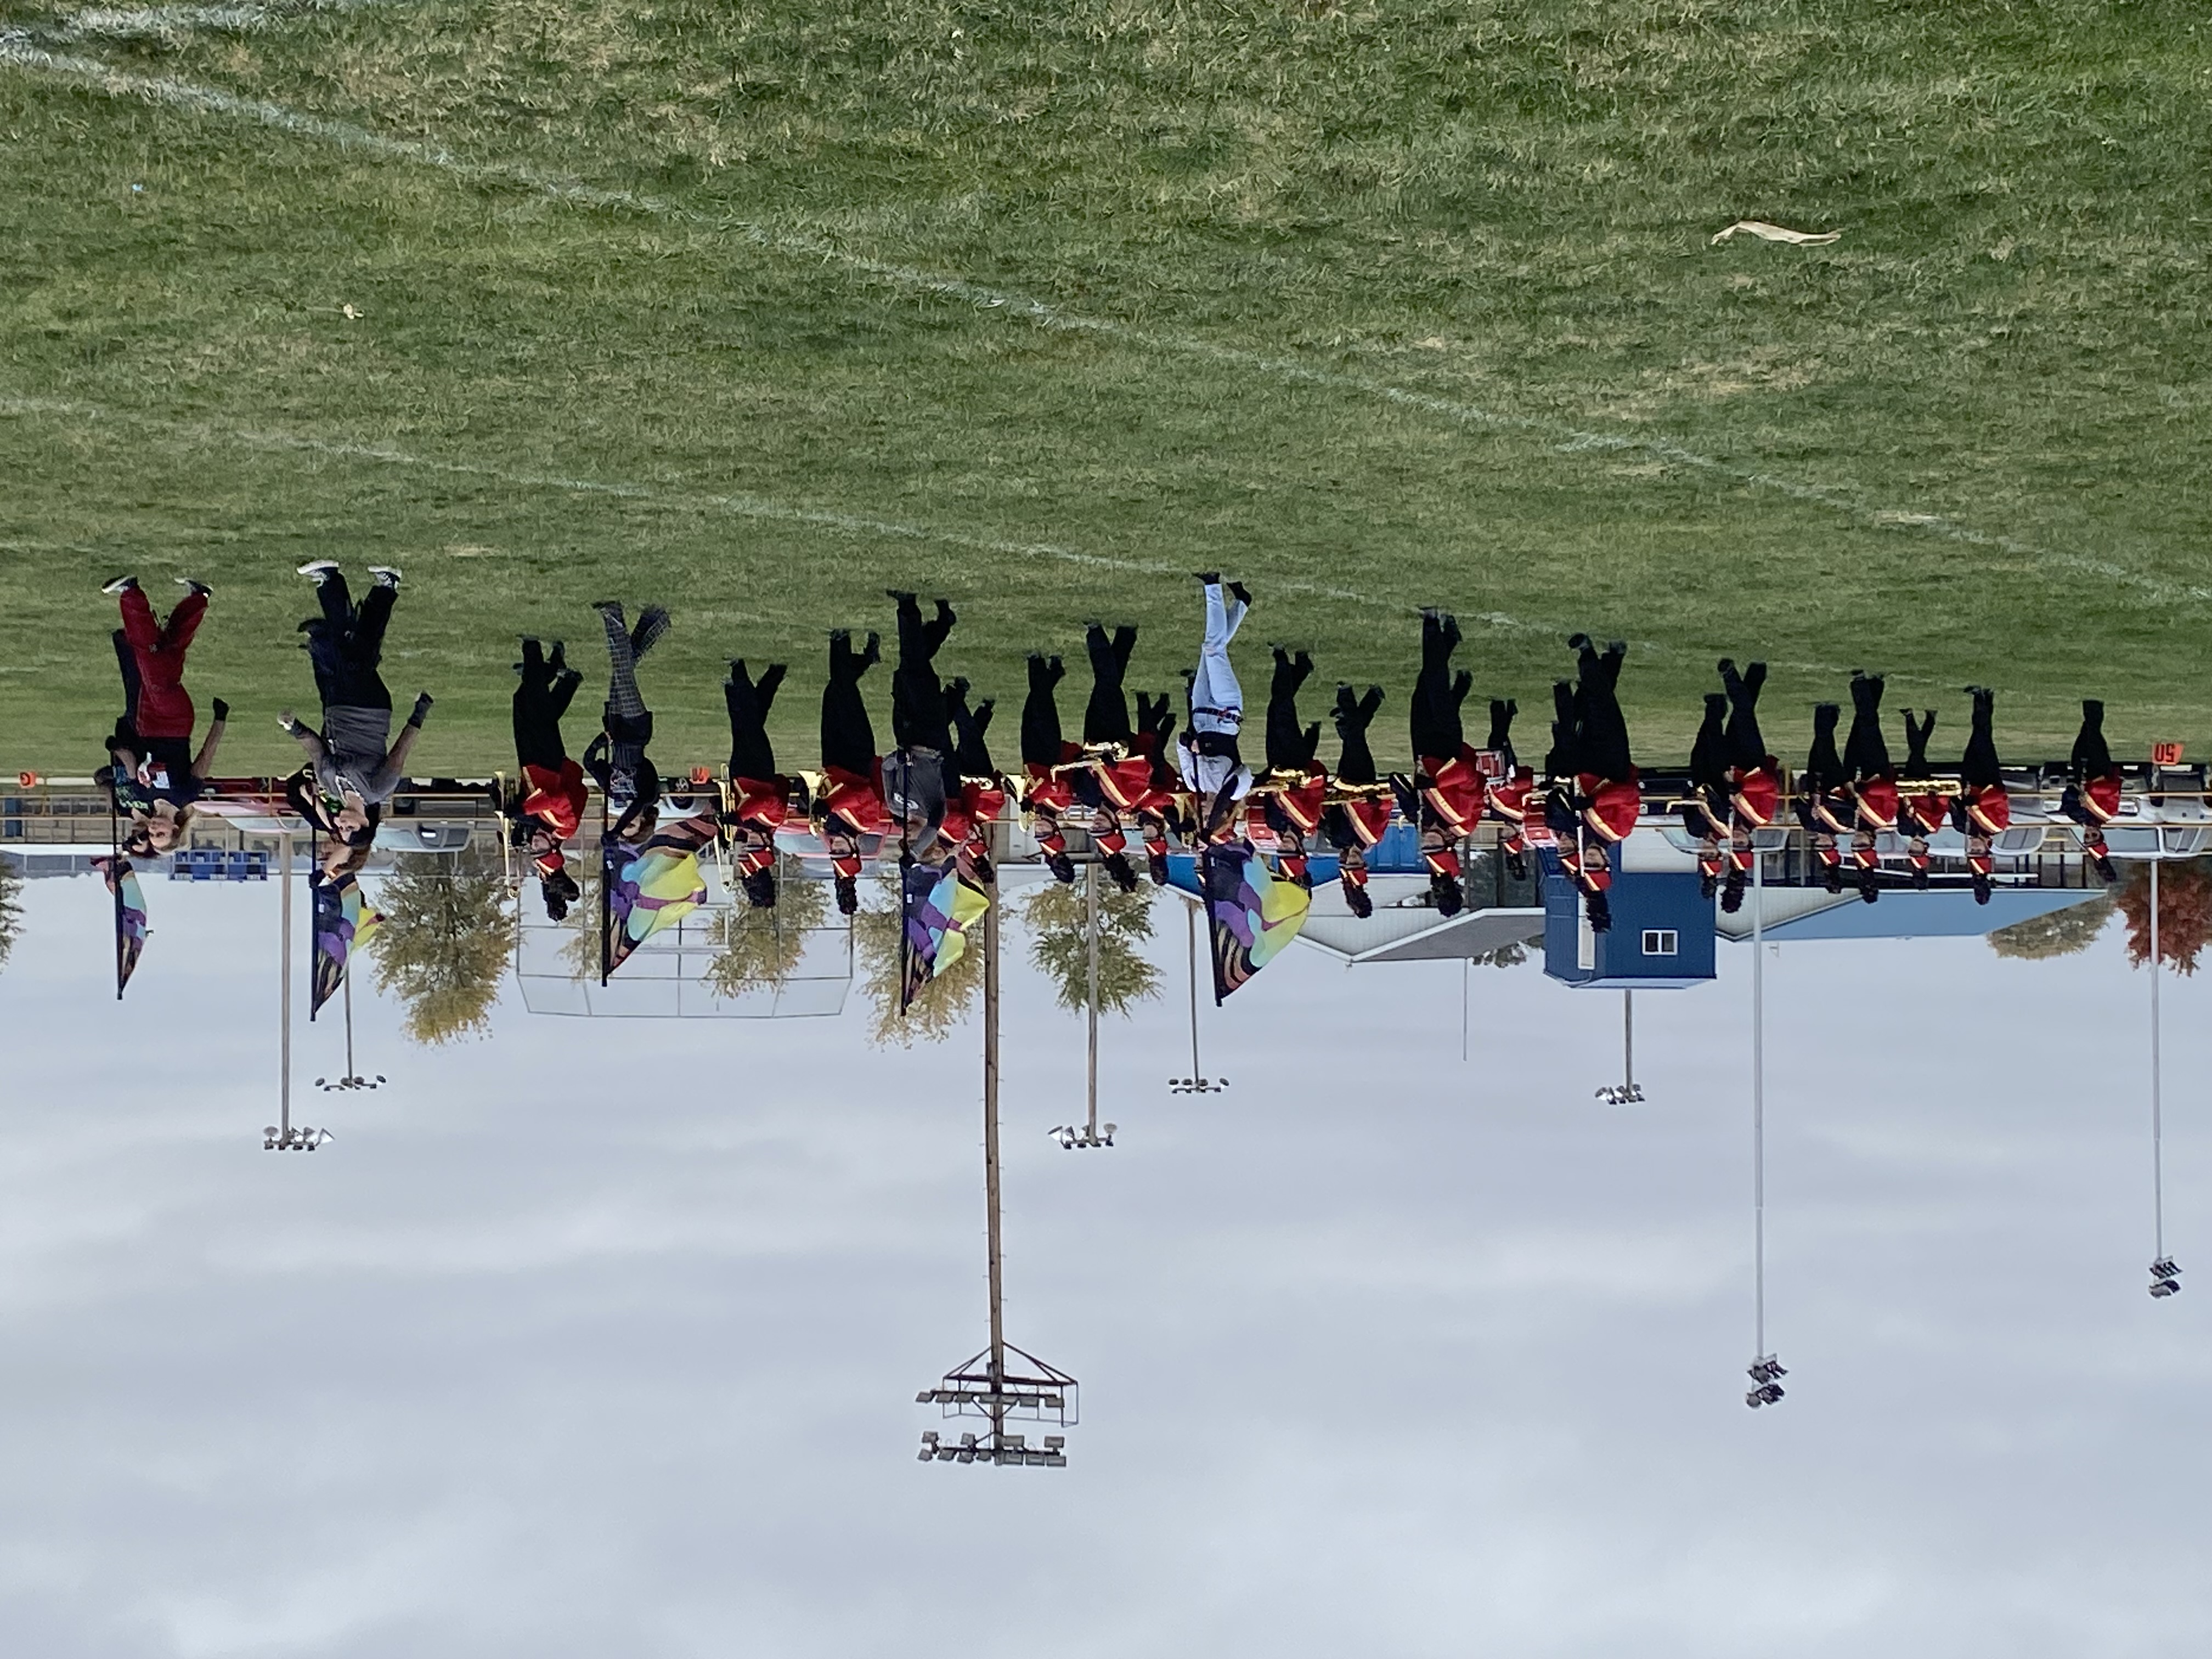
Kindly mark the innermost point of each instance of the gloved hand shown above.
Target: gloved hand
(222, 711)
(422, 705)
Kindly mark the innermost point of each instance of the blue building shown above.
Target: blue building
(1662, 937)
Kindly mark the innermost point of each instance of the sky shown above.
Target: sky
(603, 1336)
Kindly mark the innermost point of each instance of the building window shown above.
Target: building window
(1660, 942)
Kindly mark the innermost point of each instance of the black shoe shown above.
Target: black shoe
(874, 654)
(900, 596)
(1211, 578)
(1238, 589)
(1578, 641)
(1725, 666)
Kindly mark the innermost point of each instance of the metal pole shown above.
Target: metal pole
(352, 1076)
(2157, 1124)
(1628, 1037)
(1190, 943)
(990, 1137)
(284, 993)
(1466, 970)
(1091, 914)
(1758, 1095)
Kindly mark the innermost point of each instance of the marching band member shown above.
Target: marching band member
(1983, 810)
(1444, 798)
(1823, 802)
(1607, 795)
(1106, 716)
(553, 798)
(1212, 769)
(2093, 797)
(1359, 805)
(760, 796)
(1045, 793)
(1925, 808)
(616, 757)
(1291, 747)
(850, 803)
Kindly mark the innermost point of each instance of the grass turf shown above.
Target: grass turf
(1376, 306)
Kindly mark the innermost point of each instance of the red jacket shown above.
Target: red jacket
(859, 801)
(2102, 796)
(556, 799)
(764, 801)
(1455, 789)
(1877, 801)
(1756, 794)
(966, 814)
(1615, 803)
(1988, 807)
(1302, 803)
(1923, 814)
(1046, 789)
(1369, 816)
(1509, 799)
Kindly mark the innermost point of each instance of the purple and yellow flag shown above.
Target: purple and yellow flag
(937, 907)
(1251, 914)
(644, 889)
(343, 923)
(129, 918)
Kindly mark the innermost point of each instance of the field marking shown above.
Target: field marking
(747, 506)
(173, 22)
(16, 49)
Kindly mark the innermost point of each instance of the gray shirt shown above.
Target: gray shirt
(353, 755)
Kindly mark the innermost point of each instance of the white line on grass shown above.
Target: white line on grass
(175, 22)
(16, 48)
(745, 506)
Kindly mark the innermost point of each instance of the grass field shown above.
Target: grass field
(758, 308)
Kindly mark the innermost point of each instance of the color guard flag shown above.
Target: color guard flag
(343, 924)
(1250, 914)
(129, 918)
(937, 907)
(645, 889)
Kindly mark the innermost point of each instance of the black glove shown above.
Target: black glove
(222, 711)
(422, 704)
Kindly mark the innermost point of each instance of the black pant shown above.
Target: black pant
(1355, 763)
(1747, 747)
(1289, 746)
(848, 737)
(920, 719)
(1602, 730)
(1915, 743)
(1041, 738)
(1979, 767)
(1434, 716)
(751, 754)
(1501, 711)
(971, 756)
(1866, 754)
(1709, 753)
(1106, 716)
(1824, 767)
(540, 700)
(345, 644)
(2093, 758)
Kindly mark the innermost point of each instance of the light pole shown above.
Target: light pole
(1197, 1082)
(1627, 1092)
(2165, 1277)
(352, 1079)
(1089, 1136)
(281, 1136)
(1766, 1371)
(987, 1385)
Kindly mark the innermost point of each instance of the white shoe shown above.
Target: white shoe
(385, 574)
(121, 584)
(195, 586)
(319, 568)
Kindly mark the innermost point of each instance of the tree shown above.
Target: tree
(941, 1004)
(11, 908)
(1059, 945)
(761, 949)
(2061, 933)
(448, 933)
(1511, 954)
(2184, 913)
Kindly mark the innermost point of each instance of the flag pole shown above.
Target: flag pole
(606, 895)
(284, 995)
(115, 882)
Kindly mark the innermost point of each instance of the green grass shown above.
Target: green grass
(1289, 214)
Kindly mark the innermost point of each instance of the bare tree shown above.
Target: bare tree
(11, 908)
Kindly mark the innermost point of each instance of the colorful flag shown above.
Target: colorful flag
(1251, 915)
(129, 918)
(937, 907)
(644, 889)
(343, 923)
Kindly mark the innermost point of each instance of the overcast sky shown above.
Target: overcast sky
(602, 1337)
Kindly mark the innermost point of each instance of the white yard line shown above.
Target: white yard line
(745, 506)
(16, 49)
(173, 22)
